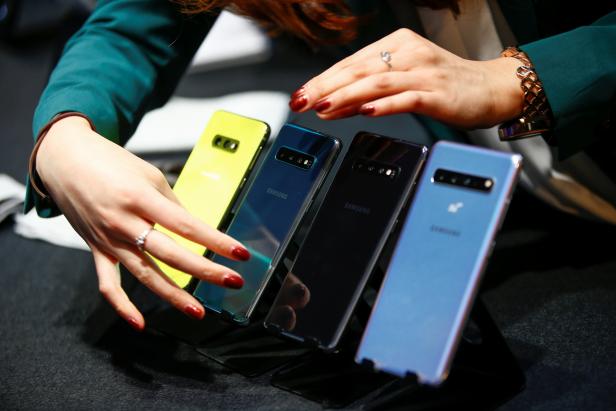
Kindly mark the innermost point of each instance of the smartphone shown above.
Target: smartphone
(214, 173)
(341, 249)
(269, 214)
(434, 273)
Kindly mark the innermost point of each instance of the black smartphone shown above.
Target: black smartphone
(339, 253)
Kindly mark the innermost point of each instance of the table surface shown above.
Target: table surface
(551, 286)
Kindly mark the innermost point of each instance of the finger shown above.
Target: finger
(293, 293)
(364, 62)
(421, 102)
(323, 85)
(146, 271)
(374, 70)
(284, 317)
(176, 218)
(343, 112)
(167, 250)
(369, 89)
(110, 287)
(360, 57)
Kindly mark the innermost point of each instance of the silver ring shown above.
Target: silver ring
(386, 58)
(140, 240)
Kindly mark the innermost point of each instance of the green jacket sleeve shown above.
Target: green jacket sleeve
(578, 72)
(126, 59)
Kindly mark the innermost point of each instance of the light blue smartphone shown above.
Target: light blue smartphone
(269, 214)
(443, 248)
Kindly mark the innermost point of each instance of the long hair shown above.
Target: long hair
(316, 21)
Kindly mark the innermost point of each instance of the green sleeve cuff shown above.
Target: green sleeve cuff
(578, 72)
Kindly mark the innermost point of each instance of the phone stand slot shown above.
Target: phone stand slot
(251, 351)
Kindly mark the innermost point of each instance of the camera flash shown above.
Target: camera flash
(388, 172)
(487, 184)
(232, 146)
(305, 162)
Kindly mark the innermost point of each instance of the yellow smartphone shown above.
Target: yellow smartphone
(213, 175)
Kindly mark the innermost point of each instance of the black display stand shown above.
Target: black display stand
(175, 324)
(484, 374)
(251, 351)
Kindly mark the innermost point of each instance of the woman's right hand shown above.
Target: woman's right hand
(110, 197)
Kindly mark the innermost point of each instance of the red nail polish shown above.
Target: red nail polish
(240, 253)
(366, 110)
(233, 281)
(194, 312)
(298, 93)
(322, 105)
(134, 323)
(298, 103)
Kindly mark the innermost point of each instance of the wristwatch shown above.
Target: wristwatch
(536, 118)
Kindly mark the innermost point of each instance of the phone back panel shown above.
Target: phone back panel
(434, 273)
(346, 238)
(212, 176)
(269, 214)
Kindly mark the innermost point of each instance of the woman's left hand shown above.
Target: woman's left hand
(420, 78)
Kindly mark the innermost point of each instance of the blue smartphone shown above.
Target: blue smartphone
(434, 273)
(338, 255)
(269, 214)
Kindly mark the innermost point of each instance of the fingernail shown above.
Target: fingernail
(298, 103)
(322, 105)
(298, 93)
(240, 253)
(134, 323)
(233, 281)
(366, 110)
(299, 291)
(194, 312)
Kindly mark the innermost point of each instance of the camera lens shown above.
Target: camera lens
(217, 141)
(467, 181)
(291, 158)
(453, 179)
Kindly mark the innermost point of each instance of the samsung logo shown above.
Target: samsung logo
(277, 193)
(444, 230)
(357, 208)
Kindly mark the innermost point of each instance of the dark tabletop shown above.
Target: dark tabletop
(550, 286)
